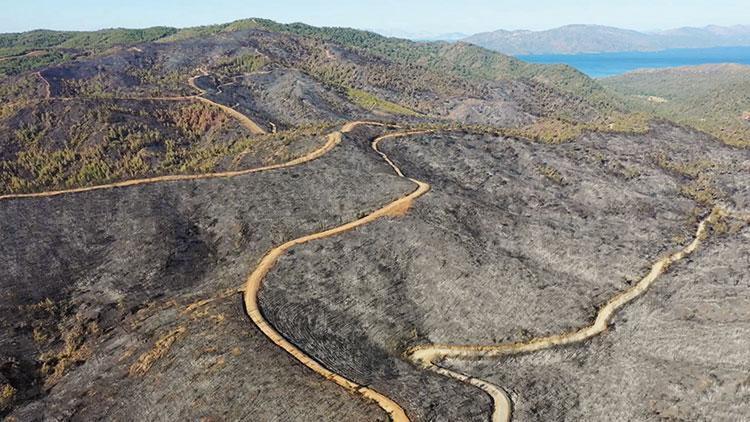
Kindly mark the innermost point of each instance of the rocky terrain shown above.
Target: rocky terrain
(483, 201)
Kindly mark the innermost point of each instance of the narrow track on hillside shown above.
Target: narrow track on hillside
(255, 282)
(428, 356)
(244, 120)
(47, 87)
(332, 140)
(20, 56)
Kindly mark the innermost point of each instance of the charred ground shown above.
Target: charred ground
(548, 197)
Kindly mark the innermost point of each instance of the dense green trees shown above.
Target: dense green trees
(20, 43)
(710, 98)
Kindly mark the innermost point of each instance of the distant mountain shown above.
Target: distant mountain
(450, 36)
(709, 36)
(420, 36)
(573, 39)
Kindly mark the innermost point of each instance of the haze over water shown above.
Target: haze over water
(609, 64)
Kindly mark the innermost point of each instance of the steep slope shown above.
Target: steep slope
(141, 317)
(514, 241)
(278, 78)
(390, 67)
(123, 297)
(677, 353)
(62, 143)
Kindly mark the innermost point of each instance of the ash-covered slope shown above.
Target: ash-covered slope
(431, 78)
(123, 303)
(284, 78)
(515, 241)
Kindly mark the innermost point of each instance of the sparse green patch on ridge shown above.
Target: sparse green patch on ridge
(354, 69)
(371, 102)
(69, 144)
(20, 43)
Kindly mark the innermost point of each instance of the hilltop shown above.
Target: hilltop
(281, 76)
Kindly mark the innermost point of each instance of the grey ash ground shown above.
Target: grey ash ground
(124, 304)
(515, 240)
(135, 259)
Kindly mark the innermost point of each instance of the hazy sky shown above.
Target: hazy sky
(417, 16)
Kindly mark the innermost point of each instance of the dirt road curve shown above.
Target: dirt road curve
(428, 356)
(332, 139)
(245, 121)
(255, 282)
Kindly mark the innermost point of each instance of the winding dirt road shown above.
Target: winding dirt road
(428, 356)
(255, 282)
(35, 53)
(47, 87)
(332, 140)
(244, 120)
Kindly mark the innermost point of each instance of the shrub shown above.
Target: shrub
(551, 173)
(7, 396)
(370, 102)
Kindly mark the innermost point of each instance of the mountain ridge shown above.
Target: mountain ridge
(583, 38)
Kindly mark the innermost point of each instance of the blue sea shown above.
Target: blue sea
(608, 64)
